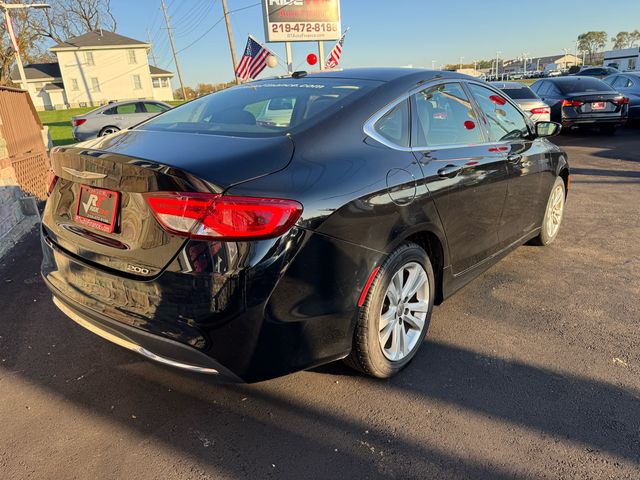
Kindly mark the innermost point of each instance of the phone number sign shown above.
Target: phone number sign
(301, 20)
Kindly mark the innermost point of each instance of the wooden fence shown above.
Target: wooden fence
(21, 130)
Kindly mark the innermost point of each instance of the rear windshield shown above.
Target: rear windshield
(269, 107)
(583, 84)
(520, 93)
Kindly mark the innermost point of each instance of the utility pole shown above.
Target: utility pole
(231, 47)
(497, 62)
(173, 49)
(5, 7)
(153, 53)
(461, 58)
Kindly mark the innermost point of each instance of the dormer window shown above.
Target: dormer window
(88, 58)
(132, 57)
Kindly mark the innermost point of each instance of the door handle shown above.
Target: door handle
(449, 171)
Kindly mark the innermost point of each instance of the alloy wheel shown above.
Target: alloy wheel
(404, 311)
(555, 210)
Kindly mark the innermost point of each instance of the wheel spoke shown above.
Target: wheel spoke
(395, 289)
(414, 282)
(414, 321)
(387, 317)
(385, 332)
(394, 349)
(404, 348)
(419, 306)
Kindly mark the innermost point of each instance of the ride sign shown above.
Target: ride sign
(301, 20)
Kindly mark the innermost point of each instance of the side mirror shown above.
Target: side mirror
(547, 129)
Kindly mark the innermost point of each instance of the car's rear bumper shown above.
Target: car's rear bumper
(154, 347)
(278, 307)
(594, 122)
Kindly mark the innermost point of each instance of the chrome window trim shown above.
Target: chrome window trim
(369, 126)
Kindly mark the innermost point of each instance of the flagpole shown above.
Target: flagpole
(321, 54)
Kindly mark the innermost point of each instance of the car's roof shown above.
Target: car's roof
(509, 85)
(383, 74)
(570, 78)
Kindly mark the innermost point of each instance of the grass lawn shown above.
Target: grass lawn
(59, 122)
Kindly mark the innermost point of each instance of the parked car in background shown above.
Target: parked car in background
(629, 85)
(207, 240)
(597, 72)
(114, 117)
(583, 102)
(526, 99)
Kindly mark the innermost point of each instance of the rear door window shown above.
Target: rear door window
(444, 116)
(126, 108)
(524, 93)
(153, 107)
(505, 121)
(621, 82)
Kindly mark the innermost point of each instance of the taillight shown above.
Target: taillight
(572, 103)
(210, 216)
(540, 110)
(52, 178)
(621, 101)
(76, 122)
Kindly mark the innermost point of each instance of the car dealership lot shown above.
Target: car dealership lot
(531, 371)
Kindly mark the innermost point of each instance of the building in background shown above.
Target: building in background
(562, 62)
(94, 69)
(625, 60)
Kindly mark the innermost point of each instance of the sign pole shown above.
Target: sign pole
(289, 57)
(321, 54)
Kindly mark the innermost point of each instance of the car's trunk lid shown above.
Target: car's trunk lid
(123, 167)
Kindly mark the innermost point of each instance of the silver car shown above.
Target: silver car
(114, 117)
(526, 99)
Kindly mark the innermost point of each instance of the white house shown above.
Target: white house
(93, 69)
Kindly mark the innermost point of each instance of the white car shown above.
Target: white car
(526, 99)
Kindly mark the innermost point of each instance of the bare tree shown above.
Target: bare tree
(35, 28)
(69, 18)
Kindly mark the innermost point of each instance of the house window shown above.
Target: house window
(156, 82)
(88, 58)
(74, 84)
(132, 57)
(165, 82)
(95, 85)
(137, 84)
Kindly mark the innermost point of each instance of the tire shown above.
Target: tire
(369, 354)
(108, 131)
(552, 215)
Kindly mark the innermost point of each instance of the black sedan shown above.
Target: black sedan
(583, 102)
(291, 222)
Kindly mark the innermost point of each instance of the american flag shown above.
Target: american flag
(253, 61)
(334, 55)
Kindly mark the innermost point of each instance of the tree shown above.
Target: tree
(591, 42)
(621, 40)
(35, 28)
(626, 39)
(191, 93)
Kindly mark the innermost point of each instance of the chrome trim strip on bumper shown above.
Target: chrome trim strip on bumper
(128, 344)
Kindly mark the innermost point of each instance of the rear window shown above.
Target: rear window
(520, 93)
(583, 85)
(264, 108)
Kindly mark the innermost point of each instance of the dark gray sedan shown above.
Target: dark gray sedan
(629, 85)
(114, 117)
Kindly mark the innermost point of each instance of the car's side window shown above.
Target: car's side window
(505, 121)
(621, 82)
(394, 125)
(443, 115)
(126, 108)
(152, 107)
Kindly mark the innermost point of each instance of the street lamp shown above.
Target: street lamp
(433, 64)
(461, 58)
(497, 62)
(5, 7)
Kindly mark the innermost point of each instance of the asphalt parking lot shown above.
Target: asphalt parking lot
(531, 371)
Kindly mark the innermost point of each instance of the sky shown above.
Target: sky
(420, 33)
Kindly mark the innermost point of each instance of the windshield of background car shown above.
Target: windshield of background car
(265, 108)
(520, 93)
(584, 85)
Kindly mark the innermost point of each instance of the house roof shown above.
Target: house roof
(158, 71)
(37, 71)
(96, 38)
